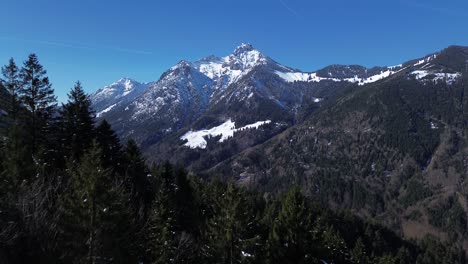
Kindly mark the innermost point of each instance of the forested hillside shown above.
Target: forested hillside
(394, 151)
(70, 192)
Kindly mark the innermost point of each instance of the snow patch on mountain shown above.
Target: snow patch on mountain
(377, 77)
(196, 139)
(423, 75)
(426, 60)
(105, 110)
(312, 77)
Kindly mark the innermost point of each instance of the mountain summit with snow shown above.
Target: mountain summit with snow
(193, 100)
(120, 92)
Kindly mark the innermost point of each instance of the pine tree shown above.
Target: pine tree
(290, 239)
(17, 164)
(77, 123)
(336, 249)
(186, 212)
(358, 253)
(38, 97)
(96, 223)
(229, 238)
(111, 148)
(11, 82)
(162, 228)
(136, 176)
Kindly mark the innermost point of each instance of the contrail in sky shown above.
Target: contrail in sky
(79, 46)
(289, 8)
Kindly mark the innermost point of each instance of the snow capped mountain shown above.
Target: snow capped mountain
(180, 96)
(120, 92)
(206, 112)
(191, 99)
(180, 93)
(227, 70)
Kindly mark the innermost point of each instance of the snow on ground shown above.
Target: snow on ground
(303, 77)
(449, 78)
(128, 87)
(196, 139)
(105, 110)
(312, 77)
(293, 76)
(378, 77)
(396, 66)
(425, 60)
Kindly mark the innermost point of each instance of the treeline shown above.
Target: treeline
(70, 192)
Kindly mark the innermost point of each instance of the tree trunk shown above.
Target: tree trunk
(91, 259)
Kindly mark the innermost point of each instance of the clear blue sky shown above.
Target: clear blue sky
(100, 41)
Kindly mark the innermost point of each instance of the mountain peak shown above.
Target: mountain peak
(124, 80)
(244, 47)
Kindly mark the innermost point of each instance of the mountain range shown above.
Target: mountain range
(388, 143)
(245, 87)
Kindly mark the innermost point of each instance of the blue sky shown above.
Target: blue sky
(98, 42)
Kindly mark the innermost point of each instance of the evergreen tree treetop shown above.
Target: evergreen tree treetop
(11, 83)
(36, 90)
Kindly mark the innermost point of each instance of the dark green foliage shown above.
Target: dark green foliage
(292, 234)
(229, 234)
(11, 83)
(17, 164)
(415, 191)
(450, 216)
(77, 124)
(95, 216)
(38, 97)
(171, 229)
(110, 146)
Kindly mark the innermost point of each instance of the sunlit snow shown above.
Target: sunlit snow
(196, 139)
(312, 77)
(105, 110)
(378, 77)
(425, 60)
(449, 78)
(231, 68)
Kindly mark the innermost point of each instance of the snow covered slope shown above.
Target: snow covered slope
(120, 92)
(196, 139)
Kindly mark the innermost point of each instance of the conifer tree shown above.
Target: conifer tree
(77, 123)
(17, 164)
(186, 212)
(136, 176)
(96, 219)
(291, 234)
(111, 148)
(162, 224)
(358, 253)
(336, 248)
(229, 238)
(38, 97)
(11, 82)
